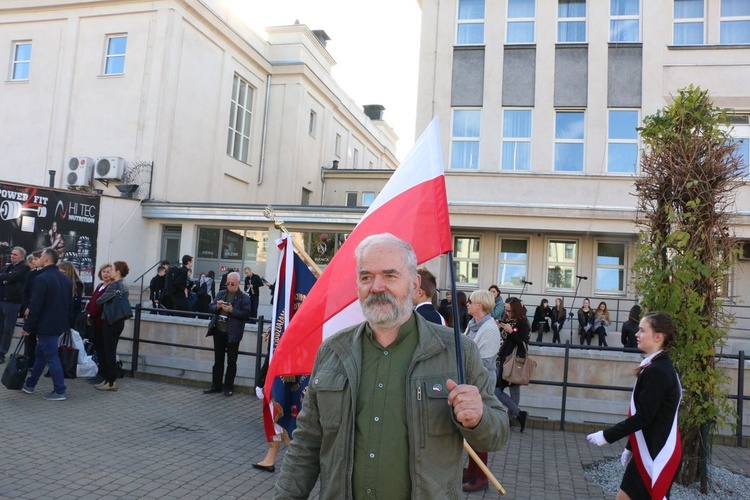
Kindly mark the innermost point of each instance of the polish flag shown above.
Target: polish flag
(412, 206)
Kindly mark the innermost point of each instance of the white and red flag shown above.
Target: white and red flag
(412, 206)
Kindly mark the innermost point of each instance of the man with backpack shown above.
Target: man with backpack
(175, 285)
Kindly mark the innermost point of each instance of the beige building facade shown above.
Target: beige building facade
(538, 102)
(209, 121)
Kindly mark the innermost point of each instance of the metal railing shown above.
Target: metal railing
(565, 384)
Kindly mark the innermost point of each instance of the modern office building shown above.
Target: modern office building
(539, 101)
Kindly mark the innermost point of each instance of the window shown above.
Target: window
(743, 153)
(351, 199)
(516, 139)
(569, 127)
(306, 193)
(114, 61)
(465, 143)
(466, 260)
(735, 21)
(337, 147)
(21, 61)
(367, 198)
(231, 247)
(312, 123)
(571, 23)
(321, 247)
(240, 113)
(624, 20)
(355, 158)
(514, 258)
(470, 25)
(622, 141)
(610, 267)
(561, 264)
(521, 15)
(688, 22)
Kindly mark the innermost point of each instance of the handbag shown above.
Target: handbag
(518, 370)
(117, 308)
(68, 356)
(17, 368)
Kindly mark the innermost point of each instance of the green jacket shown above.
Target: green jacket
(323, 443)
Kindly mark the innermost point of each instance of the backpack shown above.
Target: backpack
(169, 278)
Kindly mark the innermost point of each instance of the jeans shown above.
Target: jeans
(222, 346)
(8, 318)
(510, 402)
(110, 338)
(46, 354)
(254, 301)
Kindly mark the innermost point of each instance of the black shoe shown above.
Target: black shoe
(522, 415)
(228, 393)
(267, 468)
(212, 390)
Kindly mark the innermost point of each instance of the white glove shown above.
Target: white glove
(259, 393)
(626, 456)
(597, 438)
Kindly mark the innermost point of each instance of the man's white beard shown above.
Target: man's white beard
(381, 309)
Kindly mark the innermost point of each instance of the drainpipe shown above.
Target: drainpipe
(264, 132)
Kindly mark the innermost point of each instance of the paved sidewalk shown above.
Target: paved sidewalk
(161, 441)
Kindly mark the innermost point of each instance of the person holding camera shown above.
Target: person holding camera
(231, 310)
(253, 282)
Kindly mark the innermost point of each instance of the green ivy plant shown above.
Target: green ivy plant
(689, 176)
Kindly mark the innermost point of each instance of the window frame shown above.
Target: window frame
(465, 139)
(312, 125)
(365, 195)
(741, 132)
(581, 141)
(108, 55)
(468, 21)
(16, 62)
(614, 18)
(470, 261)
(517, 20)
(583, 19)
(247, 111)
(730, 19)
(355, 157)
(337, 145)
(515, 140)
(688, 20)
(622, 267)
(348, 198)
(501, 262)
(611, 141)
(547, 262)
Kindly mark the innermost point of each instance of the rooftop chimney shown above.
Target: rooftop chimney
(374, 111)
(321, 36)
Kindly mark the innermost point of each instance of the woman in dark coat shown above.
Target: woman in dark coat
(463, 311)
(95, 321)
(630, 327)
(540, 324)
(558, 320)
(515, 334)
(77, 292)
(112, 329)
(653, 453)
(586, 322)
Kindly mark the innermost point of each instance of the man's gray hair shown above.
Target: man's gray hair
(389, 239)
(20, 250)
(235, 275)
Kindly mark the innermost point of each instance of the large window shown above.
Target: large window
(624, 20)
(321, 247)
(466, 260)
(240, 113)
(521, 14)
(221, 248)
(569, 129)
(561, 264)
(516, 139)
(688, 22)
(21, 61)
(470, 25)
(513, 262)
(571, 22)
(465, 142)
(735, 21)
(114, 60)
(610, 267)
(622, 141)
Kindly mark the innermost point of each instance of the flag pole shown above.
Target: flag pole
(461, 376)
(279, 224)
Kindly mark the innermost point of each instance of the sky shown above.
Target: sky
(375, 45)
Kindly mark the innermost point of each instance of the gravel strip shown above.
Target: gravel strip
(722, 484)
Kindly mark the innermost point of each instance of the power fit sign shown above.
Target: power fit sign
(35, 218)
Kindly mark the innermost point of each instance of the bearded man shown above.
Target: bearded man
(383, 416)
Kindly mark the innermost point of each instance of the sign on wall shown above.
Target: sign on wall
(36, 218)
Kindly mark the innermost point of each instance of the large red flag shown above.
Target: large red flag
(412, 206)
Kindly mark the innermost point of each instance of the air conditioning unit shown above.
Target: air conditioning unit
(79, 171)
(109, 167)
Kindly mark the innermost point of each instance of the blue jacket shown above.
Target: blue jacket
(240, 314)
(50, 303)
